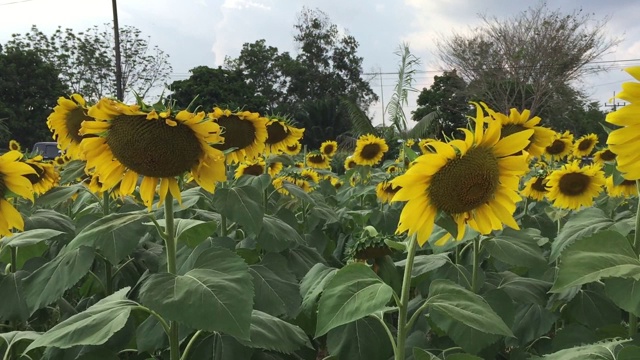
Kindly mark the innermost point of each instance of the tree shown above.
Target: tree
(521, 61)
(29, 89)
(448, 97)
(86, 60)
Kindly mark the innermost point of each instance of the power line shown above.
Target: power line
(15, 2)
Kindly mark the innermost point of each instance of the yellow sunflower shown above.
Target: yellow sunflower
(604, 156)
(349, 163)
(128, 142)
(535, 188)
(424, 146)
(386, 190)
(293, 149)
(585, 145)
(253, 167)
(280, 136)
(244, 131)
(65, 123)
(573, 186)
(310, 175)
(318, 160)
(298, 165)
(274, 168)
(369, 150)
(329, 148)
(474, 180)
(626, 189)
(392, 169)
(560, 147)
(45, 178)
(336, 182)
(409, 143)
(519, 121)
(13, 182)
(14, 146)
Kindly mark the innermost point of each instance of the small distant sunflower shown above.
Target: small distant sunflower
(293, 149)
(474, 180)
(573, 186)
(409, 143)
(519, 121)
(65, 123)
(585, 145)
(318, 160)
(253, 167)
(128, 142)
(274, 168)
(535, 188)
(424, 146)
(14, 146)
(369, 150)
(626, 189)
(13, 179)
(337, 183)
(281, 135)
(391, 169)
(604, 156)
(310, 175)
(244, 131)
(298, 165)
(560, 147)
(45, 178)
(278, 184)
(349, 163)
(329, 148)
(385, 191)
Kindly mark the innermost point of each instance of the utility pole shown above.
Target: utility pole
(116, 40)
(381, 94)
(615, 105)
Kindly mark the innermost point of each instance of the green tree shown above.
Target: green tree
(29, 89)
(86, 60)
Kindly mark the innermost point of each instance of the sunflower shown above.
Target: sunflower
(386, 190)
(519, 121)
(573, 186)
(560, 147)
(349, 163)
(293, 149)
(14, 146)
(626, 189)
(298, 165)
(604, 156)
(535, 188)
(45, 178)
(409, 143)
(329, 148)
(245, 132)
(369, 150)
(13, 180)
(280, 136)
(278, 184)
(274, 168)
(128, 142)
(253, 167)
(336, 182)
(424, 146)
(310, 175)
(474, 180)
(65, 123)
(318, 160)
(585, 145)
(392, 169)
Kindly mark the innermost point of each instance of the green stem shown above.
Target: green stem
(223, 225)
(170, 242)
(476, 264)
(163, 323)
(388, 331)
(416, 314)
(403, 329)
(633, 319)
(192, 341)
(526, 205)
(14, 258)
(108, 276)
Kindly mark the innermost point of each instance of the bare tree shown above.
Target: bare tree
(523, 61)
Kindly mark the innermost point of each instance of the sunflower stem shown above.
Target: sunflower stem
(387, 330)
(476, 265)
(170, 242)
(106, 209)
(190, 344)
(14, 258)
(403, 329)
(633, 319)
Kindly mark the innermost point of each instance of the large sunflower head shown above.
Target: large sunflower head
(245, 132)
(386, 190)
(626, 189)
(585, 145)
(572, 186)
(318, 160)
(560, 147)
(475, 181)
(13, 182)
(369, 150)
(535, 188)
(128, 142)
(253, 167)
(604, 156)
(280, 136)
(519, 121)
(45, 178)
(65, 123)
(329, 148)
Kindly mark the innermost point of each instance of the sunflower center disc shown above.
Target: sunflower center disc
(254, 169)
(466, 182)
(34, 178)
(328, 149)
(607, 155)
(538, 185)
(585, 144)
(316, 159)
(153, 148)
(370, 151)
(626, 182)
(557, 147)
(573, 184)
(238, 133)
(511, 129)
(275, 133)
(74, 120)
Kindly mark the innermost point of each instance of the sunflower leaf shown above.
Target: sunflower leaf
(241, 204)
(270, 333)
(582, 224)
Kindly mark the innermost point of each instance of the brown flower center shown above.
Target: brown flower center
(316, 159)
(608, 155)
(585, 144)
(276, 132)
(539, 185)
(255, 170)
(328, 149)
(573, 184)
(237, 133)
(74, 120)
(35, 178)
(370, 151)
(557, 147)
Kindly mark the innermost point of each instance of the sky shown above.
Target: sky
(204, 32)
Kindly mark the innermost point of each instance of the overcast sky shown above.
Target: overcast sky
(203, 32)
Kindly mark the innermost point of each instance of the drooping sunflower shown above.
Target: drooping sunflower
(604, 156)
(560, 147)
(386, 190)
(424, 146)
(128, 142)
(584, 145)
(518, 121)
(474, 180)
(45, 178)
(336, 182)
(244, 131)
(14, 146)
(369, 150)
(318, 160)
(392, 169)
(625, 141)
(349, 163)
(293, 149)
(310, 175)
(329, 148)
(65, 122)
(535, 188)
(13, 180)
(274, 168)
(626, 189)
(253, 167)
(280, 136)
(572, 186)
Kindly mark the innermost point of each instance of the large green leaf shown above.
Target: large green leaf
(241, 204)
(49, 219)
(193, 232)
(217, 346)
(423, 264)
(603, 254)
(313, 284)
(49, 282)
(625, 293)
(219, 287)
(14, 304)
(95, 231)
(276, 235)
(117, 244)
(599, 351)
(361, 339)
(519, 248)
(465, 307)
(302, 258)
(353, 293)
(531, 322)
(520, 289)
(93, 326)
(60, 194)
(270, 333)
(276, 288)
(580, 225)
(592, 308)
(29, 237)
(11, 338)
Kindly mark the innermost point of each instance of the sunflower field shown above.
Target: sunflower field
(162, 233)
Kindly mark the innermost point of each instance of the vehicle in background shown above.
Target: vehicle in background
(48, 150)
